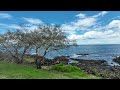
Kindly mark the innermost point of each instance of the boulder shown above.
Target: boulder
(61, 59)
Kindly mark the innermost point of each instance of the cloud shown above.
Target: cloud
(93, 31)
(108, 34)
(68, 27)
(81, 15)
(5, 27)
(14, 26)
(33, 20)
(100, 14)
(114, 23)
(93, 37)
(5, 16)
(97, 36)
(9, 26)
(82, 23)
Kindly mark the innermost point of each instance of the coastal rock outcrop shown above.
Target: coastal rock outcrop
(100, 68)
(83, 54)
(61, 59)
(117, 59)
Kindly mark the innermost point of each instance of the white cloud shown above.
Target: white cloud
(70, 29)
(81, 15)
(100, 14)
(33, 20)
(5, 16)
(114, 23)
(86, 23)
(99, 35)
(14, 26)
(74, 37)
(9, 26)
(28, 27)
(94, 33)
(109, 36)
(82, 23)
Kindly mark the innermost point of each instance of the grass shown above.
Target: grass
(20, 71)
(72, 71)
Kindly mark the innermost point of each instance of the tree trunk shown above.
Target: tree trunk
(23, 54)
(38, 63)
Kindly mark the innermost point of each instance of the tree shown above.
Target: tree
(48, 38)
(16, 43)
(43, 39)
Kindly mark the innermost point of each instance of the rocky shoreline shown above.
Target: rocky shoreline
(100, 68)
(96, 67)
(117, 59)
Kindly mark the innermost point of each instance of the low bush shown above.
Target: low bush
(65, 68)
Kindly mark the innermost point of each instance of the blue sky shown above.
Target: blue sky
(87, 27)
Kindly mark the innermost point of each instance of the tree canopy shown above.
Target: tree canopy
(43, 37)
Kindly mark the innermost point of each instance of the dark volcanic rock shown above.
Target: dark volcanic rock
(100, 68)
(117, 59)
(61, 59)
(75, 59)
(83, 54)
(92, 62)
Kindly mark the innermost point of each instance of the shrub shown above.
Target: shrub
(65, 68)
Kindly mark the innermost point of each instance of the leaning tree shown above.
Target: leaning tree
(16, 43)
(47, 38)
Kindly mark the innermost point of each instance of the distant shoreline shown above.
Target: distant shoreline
(97, 44)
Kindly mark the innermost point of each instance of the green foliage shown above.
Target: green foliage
(65, 68)
(20, 71)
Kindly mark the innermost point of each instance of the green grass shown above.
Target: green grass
(72, 71)
(20, 71)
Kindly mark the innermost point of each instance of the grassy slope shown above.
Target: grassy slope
(17, 71)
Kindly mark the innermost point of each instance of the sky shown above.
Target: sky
(86, 27)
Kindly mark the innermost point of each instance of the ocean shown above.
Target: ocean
(95, 52)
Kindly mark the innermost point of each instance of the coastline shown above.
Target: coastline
(100, 68)
(95, 67)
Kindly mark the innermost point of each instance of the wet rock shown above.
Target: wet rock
(99, 67)
(117, 59)
(83, 54)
